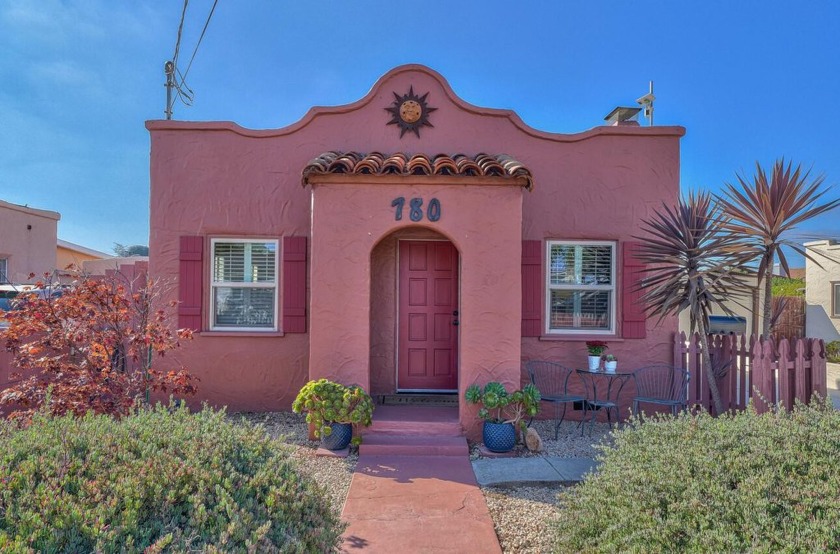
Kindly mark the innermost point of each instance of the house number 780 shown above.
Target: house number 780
(415, 209)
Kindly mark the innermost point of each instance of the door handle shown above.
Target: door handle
(455, 323)
(455, 313)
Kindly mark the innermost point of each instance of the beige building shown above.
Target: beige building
(744, 319)
(822, 291)
(68, 253)
(27, 242)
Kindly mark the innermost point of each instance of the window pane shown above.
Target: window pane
(562, 264)
(262, 262)
(244, 307)
(231, 259)
(578, 309)
(3, 270)
(836, 304)
(597, 265)
(572, 264)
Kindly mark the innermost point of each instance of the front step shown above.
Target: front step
(375, 444)
(415, 420)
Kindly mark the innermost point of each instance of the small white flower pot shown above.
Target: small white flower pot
(594, 363)
(610, 366)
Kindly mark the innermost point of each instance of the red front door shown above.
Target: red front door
(428, 335)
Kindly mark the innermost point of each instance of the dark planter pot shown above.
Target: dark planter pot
(499, 437)
(339, 438)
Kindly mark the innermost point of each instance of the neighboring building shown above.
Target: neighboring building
(100, 267)
(76, 255)
(742, 319)
(27, 242)
(822, 290)
(374, 243)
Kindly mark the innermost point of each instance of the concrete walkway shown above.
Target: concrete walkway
(416, 504)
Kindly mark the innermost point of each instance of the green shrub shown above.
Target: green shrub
(832, 351)
(783, 286)
(161, 478)
(737, 483)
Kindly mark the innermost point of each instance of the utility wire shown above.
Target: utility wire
(180, 29)
(206, 23)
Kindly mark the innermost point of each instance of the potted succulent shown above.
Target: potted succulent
(610, 362)
(503, 412)
(595, 348)
(332, 409)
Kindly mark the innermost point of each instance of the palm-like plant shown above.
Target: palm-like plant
(691, 267)
(764, 211)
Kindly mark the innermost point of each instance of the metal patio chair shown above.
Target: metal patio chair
(663, 385)
(552, 380)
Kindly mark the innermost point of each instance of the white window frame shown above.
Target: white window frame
(244, 284)
(613, 288)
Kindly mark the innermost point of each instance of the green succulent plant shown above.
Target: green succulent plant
(326, 402)
(500, 406)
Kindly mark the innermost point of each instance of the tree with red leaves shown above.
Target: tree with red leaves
(89, 347)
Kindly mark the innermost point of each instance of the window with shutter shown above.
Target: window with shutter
(243, 285)
(580, 287)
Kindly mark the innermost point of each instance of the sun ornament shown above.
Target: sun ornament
(410, 112)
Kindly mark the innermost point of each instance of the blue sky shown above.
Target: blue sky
(749, 80)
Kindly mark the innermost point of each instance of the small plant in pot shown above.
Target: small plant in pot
(333, 409)
(595, 349)
(610, 362)
(503, 412)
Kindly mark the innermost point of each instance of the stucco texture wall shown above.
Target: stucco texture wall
(217, 179)
(819, 320)
(350, 219)
(28, 241)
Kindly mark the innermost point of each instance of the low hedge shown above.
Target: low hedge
(163, 479)
(832, 351)
(738, 483)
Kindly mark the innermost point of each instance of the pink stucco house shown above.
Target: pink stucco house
(406, 242)
(27, 242)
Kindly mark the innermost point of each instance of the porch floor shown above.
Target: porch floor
(415, 420)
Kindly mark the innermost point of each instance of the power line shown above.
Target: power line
(206, 23)
(171, 68)
(180, 29)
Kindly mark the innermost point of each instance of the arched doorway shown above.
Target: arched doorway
(414, 313)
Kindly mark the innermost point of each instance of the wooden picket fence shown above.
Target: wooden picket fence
(768, 372)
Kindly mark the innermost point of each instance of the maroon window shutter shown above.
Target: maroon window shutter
(294, 284)
(190, 282)
(532, 283)
(633, 317)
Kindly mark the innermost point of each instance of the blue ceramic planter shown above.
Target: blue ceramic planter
(339, 438)
(499, 437)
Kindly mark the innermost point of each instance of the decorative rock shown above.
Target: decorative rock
(324, 453)
(533, 440)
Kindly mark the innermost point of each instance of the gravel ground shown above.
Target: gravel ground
(521, 515)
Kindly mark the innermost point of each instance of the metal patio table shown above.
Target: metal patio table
(602, 391)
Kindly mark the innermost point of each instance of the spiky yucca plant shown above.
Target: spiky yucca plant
(764, 211)
(691, 267)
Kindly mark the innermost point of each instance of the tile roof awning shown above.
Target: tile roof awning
(400, 163)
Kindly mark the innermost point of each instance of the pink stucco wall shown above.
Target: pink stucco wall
(218, 179)
(347, 222)
(28, 240)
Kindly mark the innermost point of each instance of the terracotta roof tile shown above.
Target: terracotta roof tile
(400, 163)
